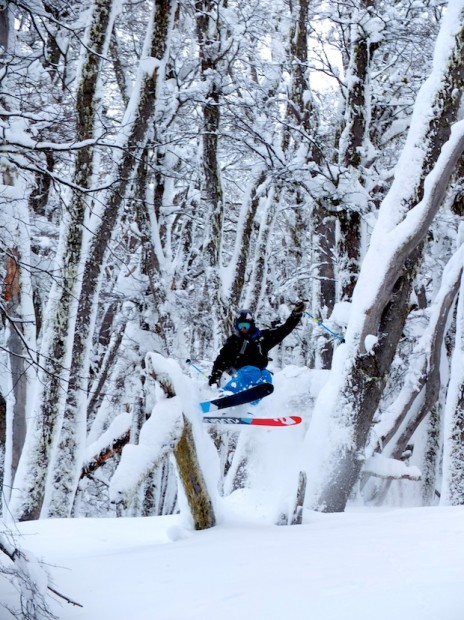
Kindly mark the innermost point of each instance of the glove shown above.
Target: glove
(213, 380)
(299, 308)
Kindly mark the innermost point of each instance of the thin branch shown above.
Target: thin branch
(16, 554)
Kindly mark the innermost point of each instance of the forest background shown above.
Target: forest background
(164, 163)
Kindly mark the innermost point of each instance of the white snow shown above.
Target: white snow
(158, 436)
(383, 467)
(149, 65)
(370, 565)
(369, 342)
(118, 427)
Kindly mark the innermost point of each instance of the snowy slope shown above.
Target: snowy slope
(391, 565)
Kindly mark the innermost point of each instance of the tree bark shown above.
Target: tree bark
(365, 372)
(64, 489)
(192, 480)
(47, 419)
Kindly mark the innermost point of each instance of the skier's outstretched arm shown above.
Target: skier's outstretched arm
(277, 334)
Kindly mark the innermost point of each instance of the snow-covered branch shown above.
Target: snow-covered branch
(109, 444)
(158, 437)
(31, 580)
(421, 385)
(390, 469)
(389, 250)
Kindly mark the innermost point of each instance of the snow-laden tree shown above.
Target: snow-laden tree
(191, 166)
(136, 124)
(453, 479)
(18, 316)
(168, 431)
(55, 355)
(434, 145)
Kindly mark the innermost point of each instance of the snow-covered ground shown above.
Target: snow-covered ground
(405, 564)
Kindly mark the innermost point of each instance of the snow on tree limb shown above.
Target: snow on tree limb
(158, 437)
(389, 250)
(169, 375)
(111, 442)
(382, 467)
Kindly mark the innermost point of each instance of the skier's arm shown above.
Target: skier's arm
(221, 363)
(276, 335)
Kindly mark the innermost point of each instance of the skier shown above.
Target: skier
(245, 353)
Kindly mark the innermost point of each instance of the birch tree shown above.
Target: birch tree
(17, 309)
(139, 117)
(56, 347)
(453, 478)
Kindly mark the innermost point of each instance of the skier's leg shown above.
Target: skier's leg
(244, 378)
(266, 376)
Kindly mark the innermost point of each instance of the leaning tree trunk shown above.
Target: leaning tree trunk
(380, 304)
(192, 480)
(166, 432)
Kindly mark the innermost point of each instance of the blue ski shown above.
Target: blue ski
(240, 398)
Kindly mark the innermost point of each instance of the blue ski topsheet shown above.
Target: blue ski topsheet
(240, 398)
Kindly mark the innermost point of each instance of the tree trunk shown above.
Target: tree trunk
(365, 372)
(324, 289)
(452, 488)
(354, 146)
(64, 487)
(192, 480)
(3, 427)
(44, 430)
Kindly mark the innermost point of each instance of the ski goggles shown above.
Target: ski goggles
(244, 325)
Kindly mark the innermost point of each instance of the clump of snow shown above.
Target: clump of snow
(374, 28)
(341, 313)
(149, 65)
(384, 467)
(118, 427)
(167, 370)
(369, 342)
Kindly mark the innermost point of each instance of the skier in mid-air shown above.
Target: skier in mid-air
(244, 355)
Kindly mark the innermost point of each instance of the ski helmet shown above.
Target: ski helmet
(244, 322)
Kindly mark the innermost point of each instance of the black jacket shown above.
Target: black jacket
(251, 349)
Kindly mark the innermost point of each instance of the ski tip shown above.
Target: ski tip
(253, 421)
(287, 421)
